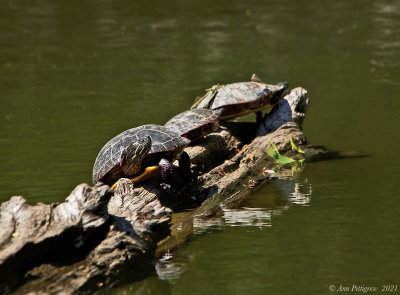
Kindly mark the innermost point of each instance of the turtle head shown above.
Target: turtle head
(278, 91)
(132, 156)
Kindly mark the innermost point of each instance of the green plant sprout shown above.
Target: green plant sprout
(283, 160)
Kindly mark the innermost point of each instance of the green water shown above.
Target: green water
(73, 75)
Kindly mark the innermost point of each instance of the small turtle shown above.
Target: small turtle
(148, 146)
(239, 99)
(194, 124)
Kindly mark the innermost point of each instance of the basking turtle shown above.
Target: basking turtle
(239, 99)
(148, 146)
(194, 124)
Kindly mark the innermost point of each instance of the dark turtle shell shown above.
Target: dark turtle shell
(239, 99)
(165, 144)
(194, 124)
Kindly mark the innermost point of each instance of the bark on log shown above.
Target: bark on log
(81, 244)
(84, 243)
(56, 233)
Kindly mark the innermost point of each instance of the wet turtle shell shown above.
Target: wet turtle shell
(239, 99)
(165, 144)
(194, 124)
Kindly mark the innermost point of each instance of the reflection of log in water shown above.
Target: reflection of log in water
(257, 217)
(96, 235)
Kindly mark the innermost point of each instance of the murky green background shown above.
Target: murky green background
(75, 74)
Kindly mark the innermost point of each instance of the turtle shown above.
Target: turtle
(239, 99)
(139, 152)
(194, 124)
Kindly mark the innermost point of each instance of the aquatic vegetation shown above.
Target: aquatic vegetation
(284, 160)
(295, 147)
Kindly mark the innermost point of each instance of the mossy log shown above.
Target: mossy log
(84, 243)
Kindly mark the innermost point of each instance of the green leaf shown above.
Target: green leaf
(295, 147)
(279, 158)
(283, 160)
(273, 155)
(295, 165)
(271, 143)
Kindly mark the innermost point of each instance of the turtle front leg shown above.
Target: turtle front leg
(184, 170)
(166, 170)
(164, 166)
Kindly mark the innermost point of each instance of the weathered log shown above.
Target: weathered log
(99, 241)
(56, 233)
(82, 243)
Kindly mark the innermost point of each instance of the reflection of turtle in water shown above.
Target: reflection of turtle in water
(194, 124)
(239, 99)
(148, 147)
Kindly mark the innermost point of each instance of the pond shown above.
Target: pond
(73, 76)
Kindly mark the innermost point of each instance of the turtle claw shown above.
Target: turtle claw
(165, 186)
(99, 183)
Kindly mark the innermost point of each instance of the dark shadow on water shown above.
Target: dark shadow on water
(323, 154)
